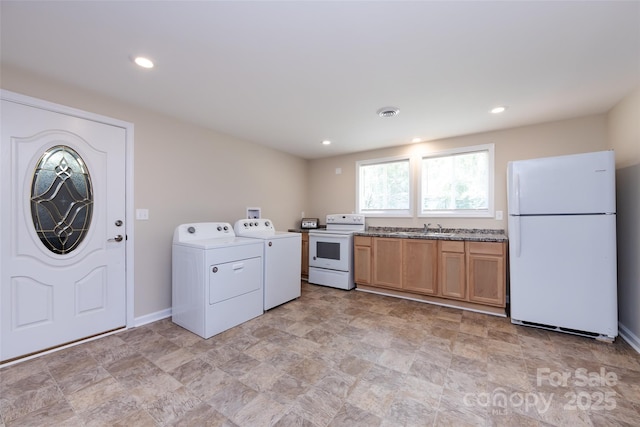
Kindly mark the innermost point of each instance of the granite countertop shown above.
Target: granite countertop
(305, 230)
(469, 234)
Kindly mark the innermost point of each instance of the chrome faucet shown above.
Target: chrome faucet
(439, 228)
(426, 228)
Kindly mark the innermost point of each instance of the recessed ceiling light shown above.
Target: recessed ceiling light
(143, 62)
(326, 142)
(416, 140)
(388, 112)
(498, 110)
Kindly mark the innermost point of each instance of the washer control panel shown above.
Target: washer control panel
(253, 226)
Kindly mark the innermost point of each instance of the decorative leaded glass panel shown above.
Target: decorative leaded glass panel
(61, 199)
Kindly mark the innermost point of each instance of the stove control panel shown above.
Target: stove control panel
(354, 219)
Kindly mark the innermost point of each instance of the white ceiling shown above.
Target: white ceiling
(290, 74)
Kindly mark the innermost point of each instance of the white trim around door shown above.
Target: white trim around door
(129, 172)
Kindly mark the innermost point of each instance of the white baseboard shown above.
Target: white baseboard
(152, 317)
(629, 337)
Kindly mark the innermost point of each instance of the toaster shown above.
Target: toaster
(309, 223)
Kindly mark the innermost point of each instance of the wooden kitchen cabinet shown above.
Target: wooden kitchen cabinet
(452, 270)
(486, 273)
(305, 256)
(387, 262)
(362, 260)
(466, 274)
(420, 266)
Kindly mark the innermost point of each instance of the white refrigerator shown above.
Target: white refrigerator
(562, 244)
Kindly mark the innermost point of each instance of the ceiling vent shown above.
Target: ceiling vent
(388, 112)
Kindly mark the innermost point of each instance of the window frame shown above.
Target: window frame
(453, 213)
(388, 213)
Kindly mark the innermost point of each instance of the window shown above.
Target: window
(61, 199)
(384, 187)
(453, 183)
(458, 183)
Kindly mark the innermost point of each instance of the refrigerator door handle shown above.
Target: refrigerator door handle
(514, 236)
(516, 194)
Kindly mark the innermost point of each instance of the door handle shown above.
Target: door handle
(118, 238)
(516, 194)
(516, 235)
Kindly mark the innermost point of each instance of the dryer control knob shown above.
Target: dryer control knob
(226, 228)
(219, 228)
(266, 223)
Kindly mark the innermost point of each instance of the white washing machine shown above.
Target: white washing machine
(282, 259)
(217, 280)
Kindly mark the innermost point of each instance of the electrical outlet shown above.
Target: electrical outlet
(498, 215)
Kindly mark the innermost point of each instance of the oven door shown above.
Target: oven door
(331, 251)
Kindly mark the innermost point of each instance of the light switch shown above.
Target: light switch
(338, 171)
(142, 214)
(498, 215)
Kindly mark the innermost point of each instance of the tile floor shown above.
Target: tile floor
(331, 358)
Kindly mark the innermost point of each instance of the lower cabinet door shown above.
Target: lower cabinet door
(453, 275)
(486, 279)
(420, 266)
(362, 265)
(387, 262)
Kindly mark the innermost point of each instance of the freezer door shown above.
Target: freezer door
(581, 183)
(563, 272)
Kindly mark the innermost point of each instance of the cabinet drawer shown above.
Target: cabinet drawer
(487, 248)
(362, 241)
(452, 246)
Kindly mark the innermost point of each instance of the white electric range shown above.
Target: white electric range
(331, 251)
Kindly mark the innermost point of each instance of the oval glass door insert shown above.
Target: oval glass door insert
(61, 199)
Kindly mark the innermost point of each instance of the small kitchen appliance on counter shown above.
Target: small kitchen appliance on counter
(282, 259)
(331, 251)
(309, 223)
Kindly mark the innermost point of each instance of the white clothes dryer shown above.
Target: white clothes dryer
(282, 259)
(217, 280)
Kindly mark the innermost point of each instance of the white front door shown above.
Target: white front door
(62, 230)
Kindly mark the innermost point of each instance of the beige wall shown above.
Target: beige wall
(331, 193)
(183, 173)
(624, 138)
(623, 123)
